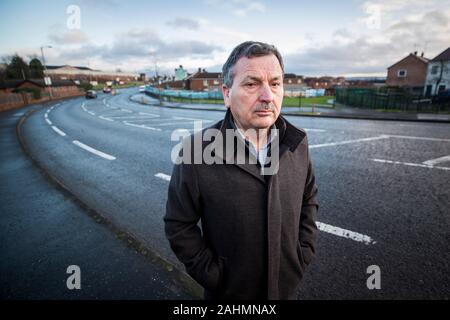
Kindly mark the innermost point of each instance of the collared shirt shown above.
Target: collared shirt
(261, 155)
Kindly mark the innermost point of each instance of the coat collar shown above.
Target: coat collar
(289, 139)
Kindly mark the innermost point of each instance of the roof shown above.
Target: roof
(292, 76)
(9, 84)
(443, 56)
(206, 75)
(421, 59)
(67, 66)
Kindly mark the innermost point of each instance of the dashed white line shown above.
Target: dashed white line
(126, 110)
(411, 164)
(104, 118)
(140, 126)
(58, 131)
(91, 113)
(344, 233)
(94, 151)
(340, 232)
(163, 176)
(83, 107)
(418, 138)
(433, 162)
(48, 121)
(347, 142)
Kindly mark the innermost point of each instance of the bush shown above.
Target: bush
(86, 86)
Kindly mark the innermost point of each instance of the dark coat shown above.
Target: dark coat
(258, 232)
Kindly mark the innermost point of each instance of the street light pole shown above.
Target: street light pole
(45, 69)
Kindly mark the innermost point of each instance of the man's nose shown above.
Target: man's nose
(265, 94)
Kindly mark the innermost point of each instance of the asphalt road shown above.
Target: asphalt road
(380, 204)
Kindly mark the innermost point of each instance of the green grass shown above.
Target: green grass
(294, 101)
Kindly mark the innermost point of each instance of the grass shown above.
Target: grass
(294, 101)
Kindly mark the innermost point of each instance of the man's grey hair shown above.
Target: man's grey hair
(249, 49)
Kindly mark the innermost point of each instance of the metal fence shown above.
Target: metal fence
(385, 100)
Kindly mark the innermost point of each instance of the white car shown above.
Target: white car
(141, 88)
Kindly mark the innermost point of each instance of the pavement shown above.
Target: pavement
(338, 111)
(44, 230)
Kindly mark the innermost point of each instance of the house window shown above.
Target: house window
(216, 82)
(289, 81)
(401, 73)
(299, 81)
(434, 69)
(205, 83)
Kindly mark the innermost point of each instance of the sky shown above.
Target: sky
(315, 38)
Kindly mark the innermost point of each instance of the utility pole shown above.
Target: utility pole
(45, 72)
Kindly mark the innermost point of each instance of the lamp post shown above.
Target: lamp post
(45, 70)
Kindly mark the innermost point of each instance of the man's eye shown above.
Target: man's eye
(276, 84)
(250, 85)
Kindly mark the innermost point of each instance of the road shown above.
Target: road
(384, 188)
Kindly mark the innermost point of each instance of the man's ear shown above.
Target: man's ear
(226, 95)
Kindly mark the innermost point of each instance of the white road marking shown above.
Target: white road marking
(344, 233)
(320, 225)
(347, 142)
(108, 119)
(193, 119)
(417, 138)
(83, 107)
(91, 113)
(46, 116)
(58, 131)
(314, 130)
(163, 176)
(172, 123)
(94, 151)
(126, 110)
(149, 114)
(410, 164)
(140, 126)
(432, 162)
(48, 121)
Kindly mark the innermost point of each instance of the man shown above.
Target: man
(258, 230)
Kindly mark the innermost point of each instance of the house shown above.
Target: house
(409, 73)
(438, 74)
(85, 74)
(204, 81)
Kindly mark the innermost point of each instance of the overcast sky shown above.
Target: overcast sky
(347, 37)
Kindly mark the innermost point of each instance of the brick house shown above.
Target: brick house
(438, 74)
(85, 74)
(409, 73)
(204, 81)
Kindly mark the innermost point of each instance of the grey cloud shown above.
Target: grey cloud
(69, 37)
(184, 23)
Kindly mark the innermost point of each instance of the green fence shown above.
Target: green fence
(388, 100)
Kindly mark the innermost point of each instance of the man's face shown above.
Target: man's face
(256, 95)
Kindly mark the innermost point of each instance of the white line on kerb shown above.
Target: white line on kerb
(48, 121)
(58, 131)
(320, 225)
(410, 164)
(348, 141)
(163, 176)
(344, 233)
(432, 162)
(94, 151)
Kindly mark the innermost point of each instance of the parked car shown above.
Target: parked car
(141, 88)
(91, 94)
(442, 97)
(106, 90)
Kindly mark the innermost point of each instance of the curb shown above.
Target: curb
(179, 277)
(333, 116)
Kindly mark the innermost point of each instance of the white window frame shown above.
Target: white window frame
(405, 73)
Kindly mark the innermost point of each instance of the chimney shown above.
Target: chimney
(199, 69)
(421, 54)
(415, 53)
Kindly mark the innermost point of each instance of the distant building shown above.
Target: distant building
(84, 74)
(438, 74)
(180, 73)
(409, 73)
(204, 81)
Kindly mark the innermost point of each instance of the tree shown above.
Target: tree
(36, 69)
(17, 68)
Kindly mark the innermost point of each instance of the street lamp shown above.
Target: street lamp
(45, 70)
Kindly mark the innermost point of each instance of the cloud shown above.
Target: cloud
(239, 8)
(371, 53)
(184, 23)
(69, 37)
